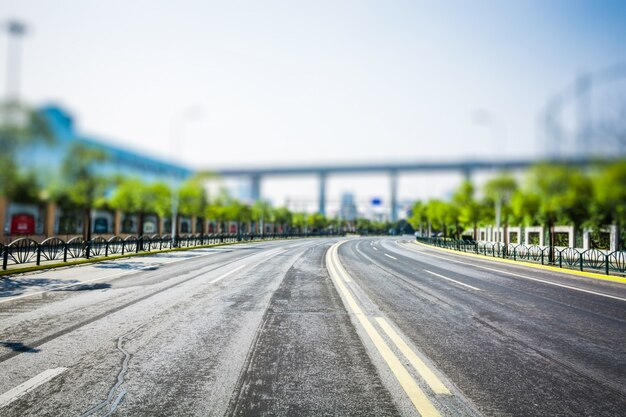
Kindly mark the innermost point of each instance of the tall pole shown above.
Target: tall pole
(15, 30)
(177, 125)
(393, 178)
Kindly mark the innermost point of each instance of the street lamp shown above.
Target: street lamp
(177, 132)
(483, 117)
(15, 30)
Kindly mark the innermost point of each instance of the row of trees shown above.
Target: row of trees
(547, 195)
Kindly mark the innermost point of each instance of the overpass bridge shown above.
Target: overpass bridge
(322, 172)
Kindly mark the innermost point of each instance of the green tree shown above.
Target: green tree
(525, 207)
(238, 212)
(418, 216)
(284, 217)
(192, 198)
(261, 213)
(563, 194)
(500, 190)
(609, 202)
(20, 127)
(299, 222)
(83, 185)
(441, 215)
(317, 222)
(470, 210)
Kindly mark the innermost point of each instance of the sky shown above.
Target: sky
(289, 82)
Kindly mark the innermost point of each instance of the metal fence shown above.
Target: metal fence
(594, 260)
(25, 250)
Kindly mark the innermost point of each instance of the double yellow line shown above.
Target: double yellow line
(416, 395)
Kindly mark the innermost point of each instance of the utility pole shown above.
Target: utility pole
(15, 30)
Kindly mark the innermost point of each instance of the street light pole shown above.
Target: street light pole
(177, 125)
(15, 30)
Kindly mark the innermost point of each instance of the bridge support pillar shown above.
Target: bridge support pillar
(393, 177)
(255, 184)
(322, 194)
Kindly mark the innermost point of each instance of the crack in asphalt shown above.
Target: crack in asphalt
(76, 326)
(112, 403)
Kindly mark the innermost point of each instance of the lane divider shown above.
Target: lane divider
(453, 280)
(425, 372)
(419, 399)
(227, 274)
(392, 257)
(28, 386)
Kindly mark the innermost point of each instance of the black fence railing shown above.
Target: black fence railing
(25, 250)
(593, 260)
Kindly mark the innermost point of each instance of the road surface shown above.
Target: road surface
(313, 327)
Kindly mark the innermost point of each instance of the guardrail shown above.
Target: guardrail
(25, 250)
(594, 260)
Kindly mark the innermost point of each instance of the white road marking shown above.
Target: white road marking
(24, 388)
(375, 248)
(453, 280)
(392, 257)
(527, 277)
(227, 274)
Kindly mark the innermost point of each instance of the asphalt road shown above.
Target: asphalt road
(316, 327)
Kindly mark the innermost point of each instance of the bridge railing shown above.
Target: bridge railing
(28, 251)
(592, 260)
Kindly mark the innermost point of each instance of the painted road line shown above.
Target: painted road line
(392, 257)
(24, 388)
(425, 372)
(453, 280)
(528, 278)
(227, 274)
(339, 268)
(375, 248)
(416, 395)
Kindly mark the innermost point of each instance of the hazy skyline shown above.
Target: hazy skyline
(291, 82)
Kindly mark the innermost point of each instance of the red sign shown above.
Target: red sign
(22, 224)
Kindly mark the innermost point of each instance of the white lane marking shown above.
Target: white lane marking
(227, 274)
(267, 256)
(375, 248)
(453, 280)
(24, 388)
(392, 257)
(527, 277)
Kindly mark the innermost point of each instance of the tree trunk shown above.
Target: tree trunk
(551, 241)
(140, 218)
(4, 203)
(87, 225)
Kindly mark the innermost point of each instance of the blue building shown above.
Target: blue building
(31, 219)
